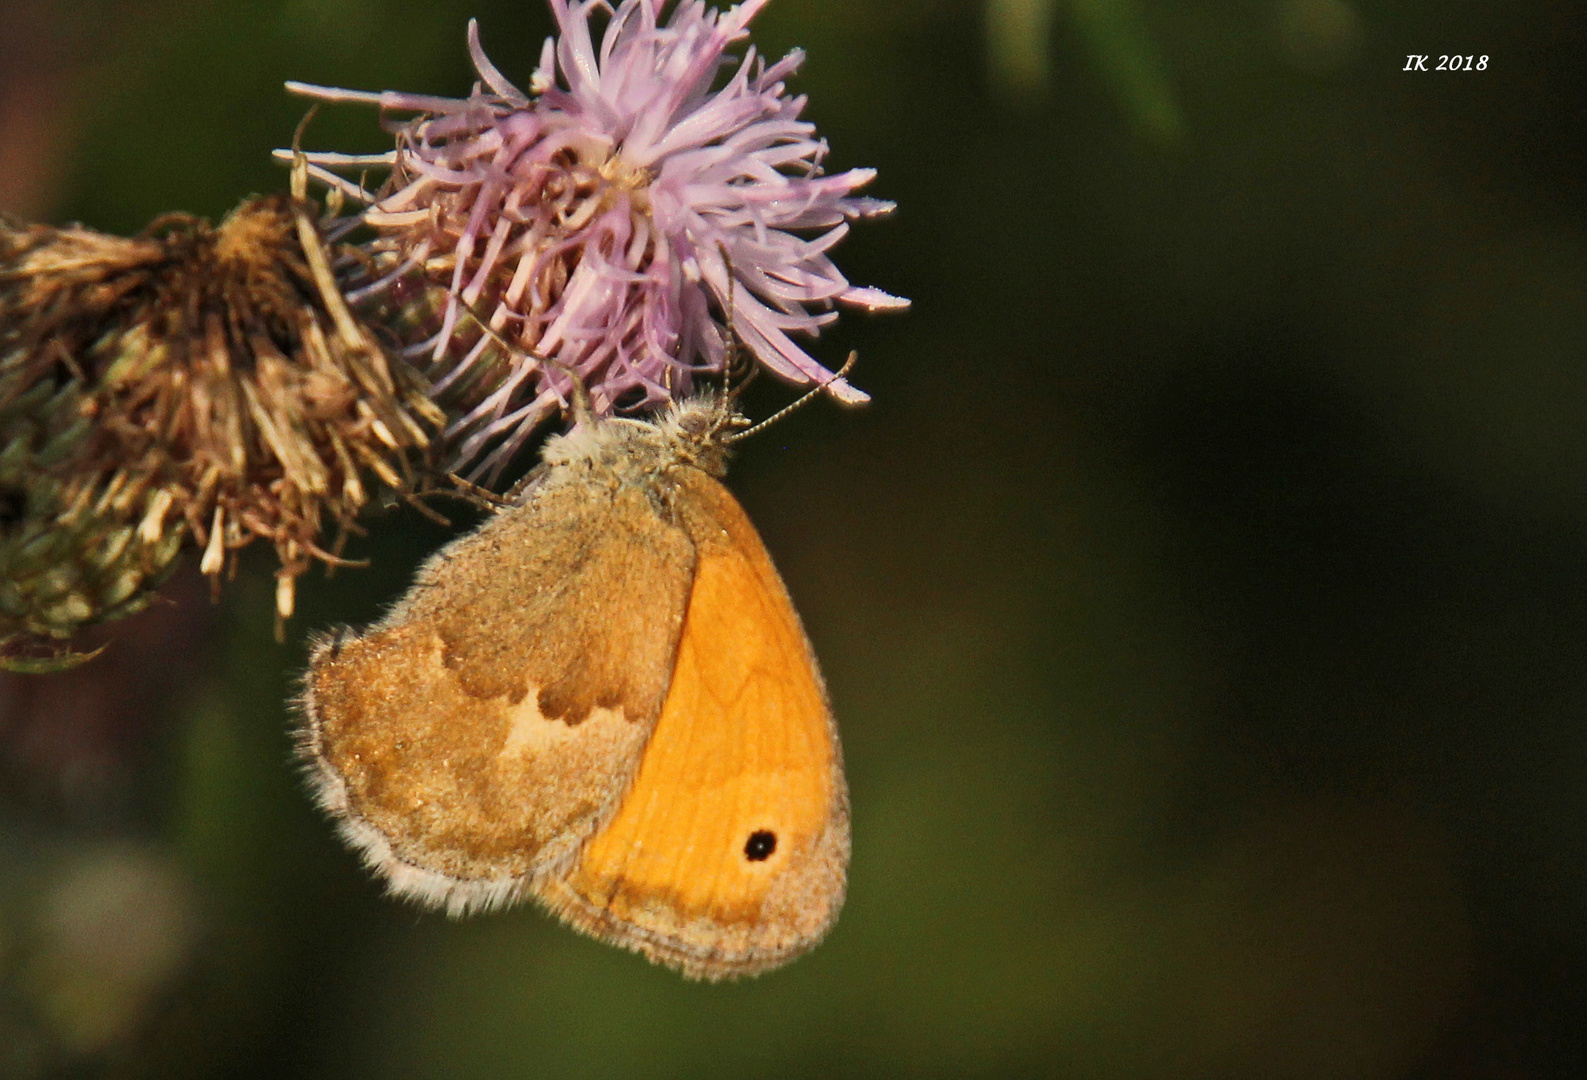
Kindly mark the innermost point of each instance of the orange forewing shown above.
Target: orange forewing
(744, 746)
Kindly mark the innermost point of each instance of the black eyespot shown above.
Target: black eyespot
(760, 845)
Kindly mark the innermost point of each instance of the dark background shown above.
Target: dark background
(1203, 598)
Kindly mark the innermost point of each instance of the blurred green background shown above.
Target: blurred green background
(1203, 598)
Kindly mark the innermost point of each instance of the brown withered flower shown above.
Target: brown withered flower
(191, 383)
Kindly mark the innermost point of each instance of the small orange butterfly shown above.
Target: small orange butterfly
(602, 699)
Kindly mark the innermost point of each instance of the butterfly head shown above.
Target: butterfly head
(698, 431)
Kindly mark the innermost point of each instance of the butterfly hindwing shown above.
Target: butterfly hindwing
(470, 746)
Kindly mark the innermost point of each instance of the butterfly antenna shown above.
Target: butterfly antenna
(583, 407)
(733, 363)
(782, 413)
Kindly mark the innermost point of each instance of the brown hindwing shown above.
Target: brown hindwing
(479, 733)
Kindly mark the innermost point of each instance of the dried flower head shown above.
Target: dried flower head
(189, 382)
(611, 219)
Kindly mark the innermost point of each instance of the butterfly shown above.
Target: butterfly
(601, 699)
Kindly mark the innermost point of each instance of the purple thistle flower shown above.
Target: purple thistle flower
(609, 218)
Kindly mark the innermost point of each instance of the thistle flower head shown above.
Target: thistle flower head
(624, 219)
(193, 382)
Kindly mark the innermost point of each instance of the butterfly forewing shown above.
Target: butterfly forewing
(728, 853)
